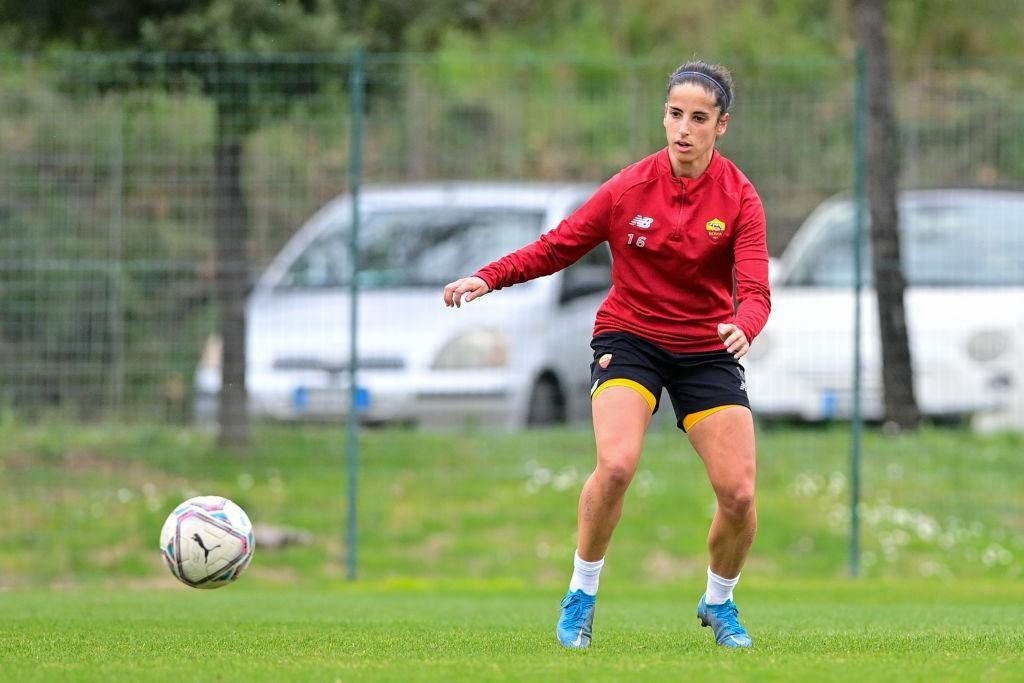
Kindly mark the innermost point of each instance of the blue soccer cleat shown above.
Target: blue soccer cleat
(724, 619)
(577, 620)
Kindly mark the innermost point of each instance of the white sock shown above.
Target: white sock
(719, 589)
(585, 575)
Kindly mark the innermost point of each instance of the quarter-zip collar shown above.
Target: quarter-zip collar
(713, 169)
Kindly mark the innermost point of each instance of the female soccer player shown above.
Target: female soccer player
(687, 235)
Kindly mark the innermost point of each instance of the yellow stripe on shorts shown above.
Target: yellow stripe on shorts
(632, 384)
(693, 418)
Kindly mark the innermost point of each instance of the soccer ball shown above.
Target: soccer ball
(207, 542)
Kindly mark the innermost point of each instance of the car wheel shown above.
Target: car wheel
(547, 404)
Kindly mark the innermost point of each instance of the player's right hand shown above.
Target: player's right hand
(468, 287)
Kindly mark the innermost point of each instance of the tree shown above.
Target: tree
(227, 49)
(229, 37)
(882, 171)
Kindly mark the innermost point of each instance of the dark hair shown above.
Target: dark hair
(714, 78)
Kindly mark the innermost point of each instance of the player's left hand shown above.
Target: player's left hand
(734, 340)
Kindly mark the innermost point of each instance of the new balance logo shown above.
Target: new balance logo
(642, 222)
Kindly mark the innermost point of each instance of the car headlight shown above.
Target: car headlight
(483, 348)
(988, 345)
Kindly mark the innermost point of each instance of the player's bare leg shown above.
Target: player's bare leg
(725, 442)
(621, 416)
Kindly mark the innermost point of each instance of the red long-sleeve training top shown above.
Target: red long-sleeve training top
(675, 244)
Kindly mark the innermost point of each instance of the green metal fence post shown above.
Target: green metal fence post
(358, 84)
(115, 304)
(857, 423)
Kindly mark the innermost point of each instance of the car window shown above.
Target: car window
(414, 247)
(590, 275)
(966, 245)
(828, 259)
(974, 242)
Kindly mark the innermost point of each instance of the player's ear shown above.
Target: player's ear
(722, 124)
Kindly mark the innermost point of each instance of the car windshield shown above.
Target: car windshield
(421, 247)
(970, 242)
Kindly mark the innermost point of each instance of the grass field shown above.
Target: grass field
(84, 505)
(811, 630)
(466, 547)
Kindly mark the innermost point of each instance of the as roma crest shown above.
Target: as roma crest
(715, 228)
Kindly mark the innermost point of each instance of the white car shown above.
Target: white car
(517, 357)
(963, 258)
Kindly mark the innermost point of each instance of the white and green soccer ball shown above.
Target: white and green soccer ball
(207, 542)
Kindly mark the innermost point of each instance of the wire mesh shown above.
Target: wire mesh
(118, 170)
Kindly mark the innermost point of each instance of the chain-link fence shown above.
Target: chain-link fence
(109, 179)
(138, 191)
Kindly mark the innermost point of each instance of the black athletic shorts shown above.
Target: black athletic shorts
(694, 381)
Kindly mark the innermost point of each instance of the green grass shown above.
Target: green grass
(466, 547)
(84, 505)
(809, 630)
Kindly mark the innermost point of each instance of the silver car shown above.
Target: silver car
(519, 357)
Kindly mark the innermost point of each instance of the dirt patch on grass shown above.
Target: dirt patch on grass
(76, 461)
(433, 547)
(282, 575)
(663, 566)
(109, 556)
(145, 584)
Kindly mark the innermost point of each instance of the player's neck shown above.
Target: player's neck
(692, 169)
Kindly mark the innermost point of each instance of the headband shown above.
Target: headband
(713, 81)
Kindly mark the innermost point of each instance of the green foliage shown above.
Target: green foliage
(753, 31)
(248, 27)
(930, 29)
(98, 24)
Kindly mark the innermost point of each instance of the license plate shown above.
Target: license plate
(335, 400)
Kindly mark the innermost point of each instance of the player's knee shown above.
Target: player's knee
(737, 502)
(616, 473)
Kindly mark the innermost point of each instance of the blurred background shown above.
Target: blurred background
(176, 284)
